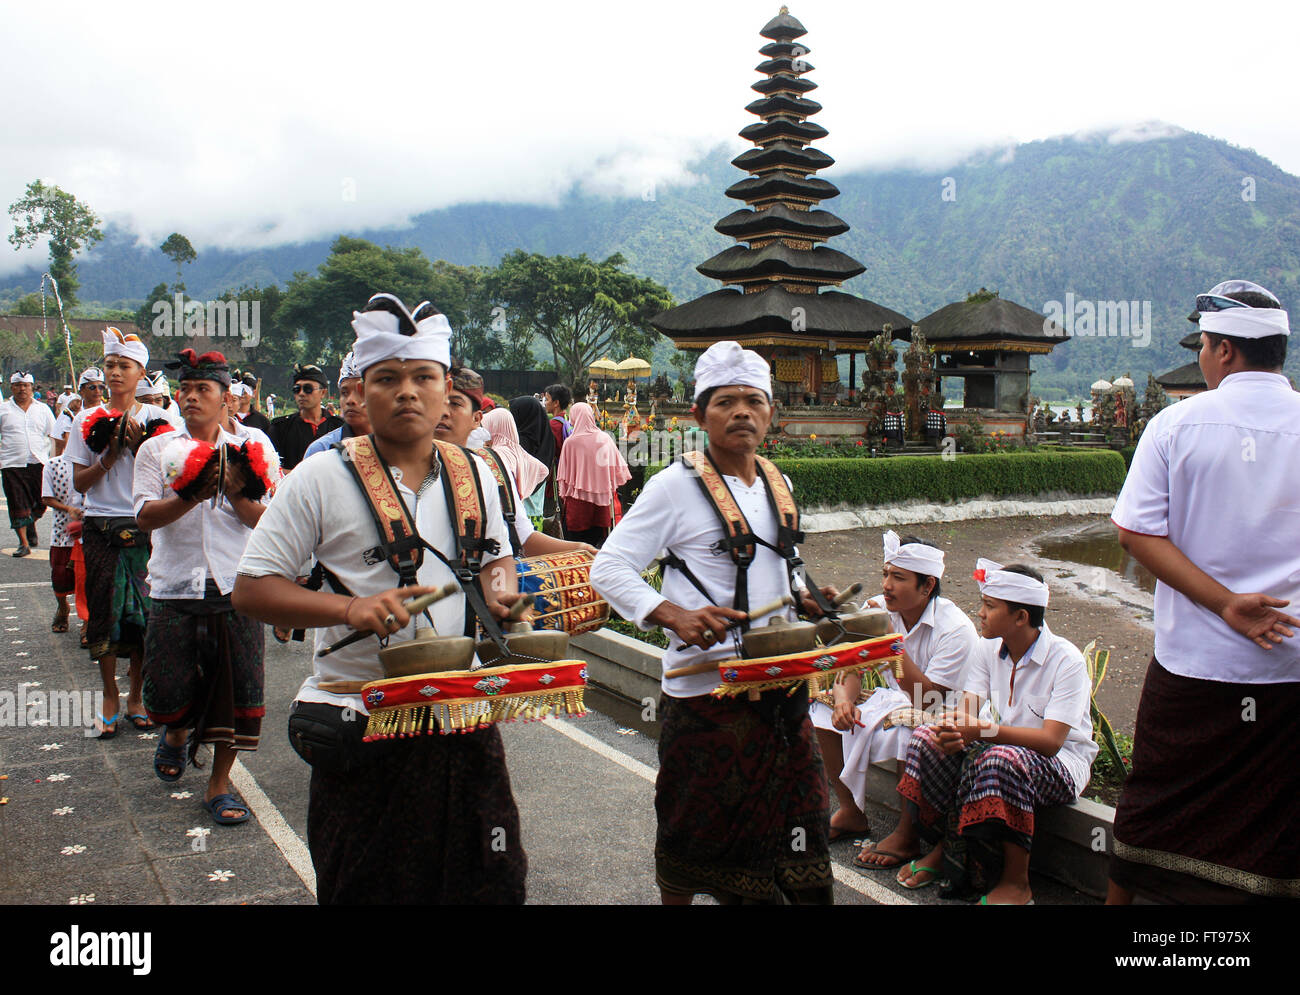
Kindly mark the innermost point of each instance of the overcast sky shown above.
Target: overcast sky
(247, 124)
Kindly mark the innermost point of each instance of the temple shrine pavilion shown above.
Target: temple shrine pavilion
(987, 341)
(781, 263)
(1186, 380)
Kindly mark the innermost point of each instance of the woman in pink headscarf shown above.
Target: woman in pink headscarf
(526, 470)
(591, 469)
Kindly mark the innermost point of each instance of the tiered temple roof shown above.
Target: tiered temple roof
(781, 262)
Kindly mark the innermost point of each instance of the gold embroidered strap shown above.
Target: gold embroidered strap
(720, 497)
(465, 498)
(385, 503)
(787, 512)
(507, 493)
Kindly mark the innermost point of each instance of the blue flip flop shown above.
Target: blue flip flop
(167, 755)
(221, 802)
(110, 726)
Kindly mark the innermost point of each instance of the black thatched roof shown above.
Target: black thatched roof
(784, 49)
(730, 314)
(780, 220)
(766, 107)
(989, 319)
(1188, 375)
(783, 84)
(783, 27)
(739, 264)
(762, 132)
(783, 64)
(783, 154)
(1192, 340)
(772, 186)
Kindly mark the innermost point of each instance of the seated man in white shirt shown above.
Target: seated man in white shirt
(939, 639)
(203, 676)
(424, 819)
(973, 783)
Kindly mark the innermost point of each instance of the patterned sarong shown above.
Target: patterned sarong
(974, 800)
(743, 806)
(203, 671)
(1210, 812)
(116, 594)
(22, 488)
(428, 821)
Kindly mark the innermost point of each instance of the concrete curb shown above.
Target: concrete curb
(1071, 842)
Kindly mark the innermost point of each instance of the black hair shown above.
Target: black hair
(1036, 612)
(561, 395)
(1268, 353)
(920, 577)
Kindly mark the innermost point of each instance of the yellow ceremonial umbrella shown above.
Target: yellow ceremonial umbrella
(633, 367)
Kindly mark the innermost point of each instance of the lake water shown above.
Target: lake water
(1097, 545)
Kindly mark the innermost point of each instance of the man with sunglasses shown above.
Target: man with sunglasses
(293, 433)
(1211, 506)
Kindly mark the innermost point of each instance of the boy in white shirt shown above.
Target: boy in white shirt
(62, 498)
(972, 783)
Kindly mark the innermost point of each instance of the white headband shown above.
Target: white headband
(726, 364)
(379, 338)
(1246, 322)
(91, 374)
(22, 378)
(348, 369)
(130, 346)
(1007, 586)
(145, 387)
(915, 556)
(239, 388)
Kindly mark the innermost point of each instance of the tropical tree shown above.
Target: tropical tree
(177, 248)
(69, 225)
(580, 307)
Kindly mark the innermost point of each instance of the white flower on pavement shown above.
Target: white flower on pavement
(51, 746)
(56, 778)
(82, 899)
(66, 810)
(220, 875)
(68, 851)
(181, 795)
(199, 831)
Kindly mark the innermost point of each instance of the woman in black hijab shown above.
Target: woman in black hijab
(536, 438)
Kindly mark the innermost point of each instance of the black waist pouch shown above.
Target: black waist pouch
(783, 709)
(122, 533)
(329, 737)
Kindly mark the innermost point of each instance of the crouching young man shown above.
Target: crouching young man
(973, 783)
(426, 819)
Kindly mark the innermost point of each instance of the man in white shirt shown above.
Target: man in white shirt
(90, 390)
(939, 639)
(115, 551)
(1211, 506)
(203, 673)
(738, 780)
(407, 820)
(25, 429)
(973, 784)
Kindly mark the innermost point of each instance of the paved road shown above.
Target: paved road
(87, 820)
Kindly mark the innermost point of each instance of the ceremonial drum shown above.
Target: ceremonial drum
(564, 599)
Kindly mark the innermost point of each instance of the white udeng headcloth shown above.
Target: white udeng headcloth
(914, 556)
(1005, 586)
(130, 346)
(348, 369)
(726, 364)
(1245, 322)
(379, 337)
(20, 377)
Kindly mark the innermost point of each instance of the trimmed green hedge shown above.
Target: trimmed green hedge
(892, 480)
(1127, 452)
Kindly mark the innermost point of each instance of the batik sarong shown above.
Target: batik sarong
(117, 595)
(22, 488)
(429, 820)
(62, 576)
(1211, 808)
(203, 670)
(975, 800)
(742, 801)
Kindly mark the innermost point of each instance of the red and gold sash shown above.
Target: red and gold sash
(734, 521)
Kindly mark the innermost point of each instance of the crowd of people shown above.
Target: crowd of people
(182, 524)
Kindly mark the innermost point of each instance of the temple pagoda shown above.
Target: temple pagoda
(781, 262)
(1184, 381)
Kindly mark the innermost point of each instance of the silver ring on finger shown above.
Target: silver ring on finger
(709, 635)
(390, 620)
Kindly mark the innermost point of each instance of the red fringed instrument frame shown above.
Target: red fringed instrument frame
(466, 700)
(819, 667)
